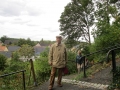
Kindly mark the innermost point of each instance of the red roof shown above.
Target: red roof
(2, 48)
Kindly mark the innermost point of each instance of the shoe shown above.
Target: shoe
(60, 85)
(50, 89)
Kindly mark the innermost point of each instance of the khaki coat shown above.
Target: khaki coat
(58, 55)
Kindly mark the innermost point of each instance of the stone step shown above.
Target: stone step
(86, 84)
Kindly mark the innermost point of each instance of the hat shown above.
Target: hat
(59, 36)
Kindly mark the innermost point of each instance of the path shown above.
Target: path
(98, 81)
(66, 86)
(102, 77)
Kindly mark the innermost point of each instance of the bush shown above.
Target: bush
(15, 56)
(116, 80)
(13, 82)
(71, 64)
(3, 60)
(42, 69)
(45, 53)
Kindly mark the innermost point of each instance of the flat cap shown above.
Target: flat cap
(58, 36)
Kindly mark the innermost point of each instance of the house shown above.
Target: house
(11, 41)
(6, 53)
(38, 49)
(13, 48)
(3, 48)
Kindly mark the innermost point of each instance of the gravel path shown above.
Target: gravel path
(102, 77)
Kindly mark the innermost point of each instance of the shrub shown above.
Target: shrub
(71, 64)
(116, 80)
(45, 53)
(42, 69)
(3, 60)
(15, 56)
(13, 82)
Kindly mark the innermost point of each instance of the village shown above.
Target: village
(9, 46)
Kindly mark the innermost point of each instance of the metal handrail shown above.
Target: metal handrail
(101, 50)
(23, 74)
(109, 48)
(112, 51)
(113, 57)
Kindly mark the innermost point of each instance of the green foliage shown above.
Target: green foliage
(86, 50)
(13, 82)
(2, 62)
(69, 42)
(71, 55)
(113, 1)
(26, 50)
(116, 80)
(45, 53)
(76, 20)
(15, 56)
(3, 38)
(106, 33)
(23, 42)
(15, 66)
(42, 69)
(45, 42)
(110, 37)
(71, 64)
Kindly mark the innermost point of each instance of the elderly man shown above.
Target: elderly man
(57, 60)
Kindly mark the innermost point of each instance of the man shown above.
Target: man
(57, 60)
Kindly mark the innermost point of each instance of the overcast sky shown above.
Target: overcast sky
(34, 19)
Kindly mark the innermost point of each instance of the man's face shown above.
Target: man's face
(58, 39)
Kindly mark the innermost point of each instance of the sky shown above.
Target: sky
(34, 19)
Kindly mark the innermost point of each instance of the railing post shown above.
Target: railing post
(33, 72)
(24, 88)
(84, 67)
(113, 61)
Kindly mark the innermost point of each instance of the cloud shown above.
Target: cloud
(17, 8)
(35, 19)
(20, 21)
(11, 7)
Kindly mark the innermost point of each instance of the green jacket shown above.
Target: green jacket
(58, 55)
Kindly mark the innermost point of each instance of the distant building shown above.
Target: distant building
(11, 41)
(13, 48)
(38, 49)
(3, 48)
(6, 53)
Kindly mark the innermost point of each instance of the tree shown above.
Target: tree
(21, 42)
(2, 62)
(106, 33)
(26, 50)
(29, 42)
(3, 38)
(76, 20)
(104, 13)
(15, 56)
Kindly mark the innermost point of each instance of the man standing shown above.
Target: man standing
(58, 60)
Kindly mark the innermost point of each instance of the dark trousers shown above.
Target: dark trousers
(52, 76)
